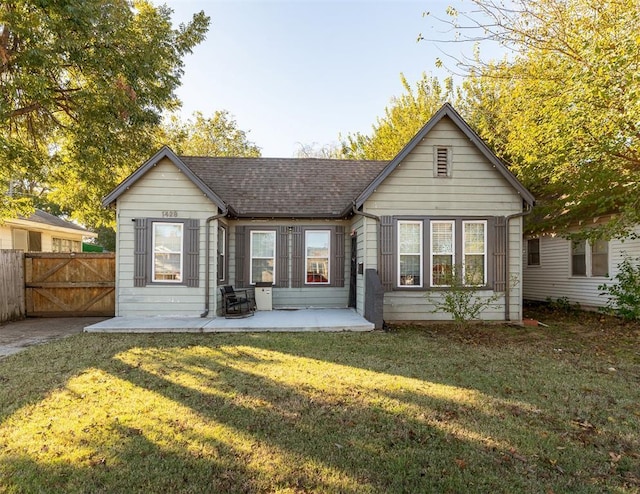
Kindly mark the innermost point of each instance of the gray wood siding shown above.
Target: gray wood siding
(163, 188)
(475, 188)
(552, 278)
(303, 297)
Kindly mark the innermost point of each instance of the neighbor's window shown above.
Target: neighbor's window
(442, 252)
(65, 245)
(167, 248)
(317, 256)
(533, 252)
(579, 258)
(263, 256)
(410, 253)
(474, 254)
(599, 258)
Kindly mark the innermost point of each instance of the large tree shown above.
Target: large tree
(402, 119)
(217, 135)
(564, 109)
(83, 84)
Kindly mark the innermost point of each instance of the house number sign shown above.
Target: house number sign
(170, 214)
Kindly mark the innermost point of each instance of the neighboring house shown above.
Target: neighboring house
(42, 232)
(556, 268)
(326, 233)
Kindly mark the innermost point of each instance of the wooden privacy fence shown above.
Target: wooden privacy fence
(68, 285)
(12, 305)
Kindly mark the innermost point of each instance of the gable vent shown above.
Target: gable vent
(442, 162)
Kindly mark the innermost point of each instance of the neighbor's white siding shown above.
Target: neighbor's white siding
(47, 236)
(474, 189)
(162, 188)
(552, 279)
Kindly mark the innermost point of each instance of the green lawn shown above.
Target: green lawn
(433, 409)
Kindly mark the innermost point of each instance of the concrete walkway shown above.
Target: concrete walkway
(261, 321)
(18, 335)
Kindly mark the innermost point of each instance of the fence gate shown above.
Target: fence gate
(69, 285)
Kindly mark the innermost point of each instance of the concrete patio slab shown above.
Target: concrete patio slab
(261, 321)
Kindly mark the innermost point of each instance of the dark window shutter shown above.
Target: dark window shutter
(35, 242)
(192, 252)
(241, 242)
(387, 256)
(338, 257)
(140, 255)
(500, 246)
(298, 271)
(282, 264)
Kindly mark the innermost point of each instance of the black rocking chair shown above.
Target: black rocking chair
(235, 303)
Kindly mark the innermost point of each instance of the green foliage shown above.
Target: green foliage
(564, 108)
(215, 136)
(461, 299)
(405, 116)
(562, 304)
(624, 296)
(82, 86)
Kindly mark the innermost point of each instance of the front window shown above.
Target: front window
(442, 252)
(167, 248)
(222, 239)
(410, 253)
(474, 252)
(263, 256)
(317, 256)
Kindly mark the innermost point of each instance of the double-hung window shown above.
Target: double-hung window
(589, 258)
(167, 252)
(263, 256)
(317, 255)
(442, 252)
(474, 252)
(410, 253)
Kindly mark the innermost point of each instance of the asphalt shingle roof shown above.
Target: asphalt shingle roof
(285, 187)
(45, 218)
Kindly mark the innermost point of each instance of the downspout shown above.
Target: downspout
(377, 219)
(506, 259)
(207, 255)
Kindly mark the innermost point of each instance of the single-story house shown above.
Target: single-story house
(558, 268)
(326, 233)
(42, 232)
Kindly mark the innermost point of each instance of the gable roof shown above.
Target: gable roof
(164, 152)
(447, 111)
(299, 187)
(285, 187)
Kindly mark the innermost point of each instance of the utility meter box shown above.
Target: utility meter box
(264, 297)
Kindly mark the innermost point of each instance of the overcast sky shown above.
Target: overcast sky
(303, 72)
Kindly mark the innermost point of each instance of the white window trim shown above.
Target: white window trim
(464, 252)
(431, 250)
(588, 259)
(306, 257)
(153, 252)
(420, 253)
(223, 252)
(252, 257)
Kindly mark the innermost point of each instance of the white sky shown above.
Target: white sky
(302, 72)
